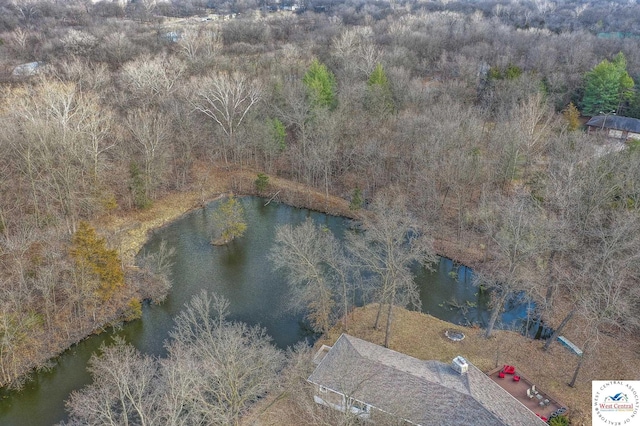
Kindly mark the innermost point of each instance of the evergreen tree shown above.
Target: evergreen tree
(261, 182)
(321, 85)
(634, 105)
(94, 260)
(512, 72)
(356, 200)
(278, 133)
(379, 96)
(572, 115)
(607, 87)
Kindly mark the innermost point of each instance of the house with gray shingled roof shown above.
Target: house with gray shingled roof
(369, 380)
(615, 126)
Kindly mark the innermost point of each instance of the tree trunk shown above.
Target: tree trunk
(552, 280)
(575, 373)
(326, 187)
(495, 313)
(558, 330)
(376, 325)
(346, 304)
(388, 329)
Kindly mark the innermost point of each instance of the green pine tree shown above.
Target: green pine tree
(261, 182)
(512, 72)
(356, 200)
(379, 96)
(278, 133)
(94, 260)
(321, 85)
(608, 87)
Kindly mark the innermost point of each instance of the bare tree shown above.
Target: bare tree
(356, 51)
(518, 241)
(387, 249)
(79, 43)
(215, 370)
(607, 269)
(150, 133)
(226, 99)
(123, 390)
(61, 134)
(18, 331)
(200, 46)
(592, 203)
(157, 266)
(179, 378)
(295, 111)
(322, 152)
(315, 267)
(151, 80)
(238, 364)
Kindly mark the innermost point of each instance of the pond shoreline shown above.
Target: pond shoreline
(133, 228)
(128, 231)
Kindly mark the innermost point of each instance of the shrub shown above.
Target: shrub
(134, 309)
(559, 421)
(356, 200)
(262, 182)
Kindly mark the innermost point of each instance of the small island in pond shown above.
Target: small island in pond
(230, 222)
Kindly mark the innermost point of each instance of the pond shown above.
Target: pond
(243, 274)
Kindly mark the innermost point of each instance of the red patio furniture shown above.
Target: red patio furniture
(508, 369)
(501, 374)
(516, 378)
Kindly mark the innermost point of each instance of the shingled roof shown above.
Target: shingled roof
(422, 392)
(616, 122)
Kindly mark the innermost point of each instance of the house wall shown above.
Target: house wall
(613, 133)
(338, 401)
(328, 397)
(632, 135)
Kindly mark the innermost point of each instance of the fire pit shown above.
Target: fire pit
(454, 335)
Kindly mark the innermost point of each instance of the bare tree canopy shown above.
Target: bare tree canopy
(449, 111)
(226, 98)
(390, 245)
(215, 370)
(316, 270)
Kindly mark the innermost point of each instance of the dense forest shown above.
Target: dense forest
(464, 116)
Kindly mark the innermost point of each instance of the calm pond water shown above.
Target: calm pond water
(242, 273)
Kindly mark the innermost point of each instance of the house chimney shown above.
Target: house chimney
(460, 365)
